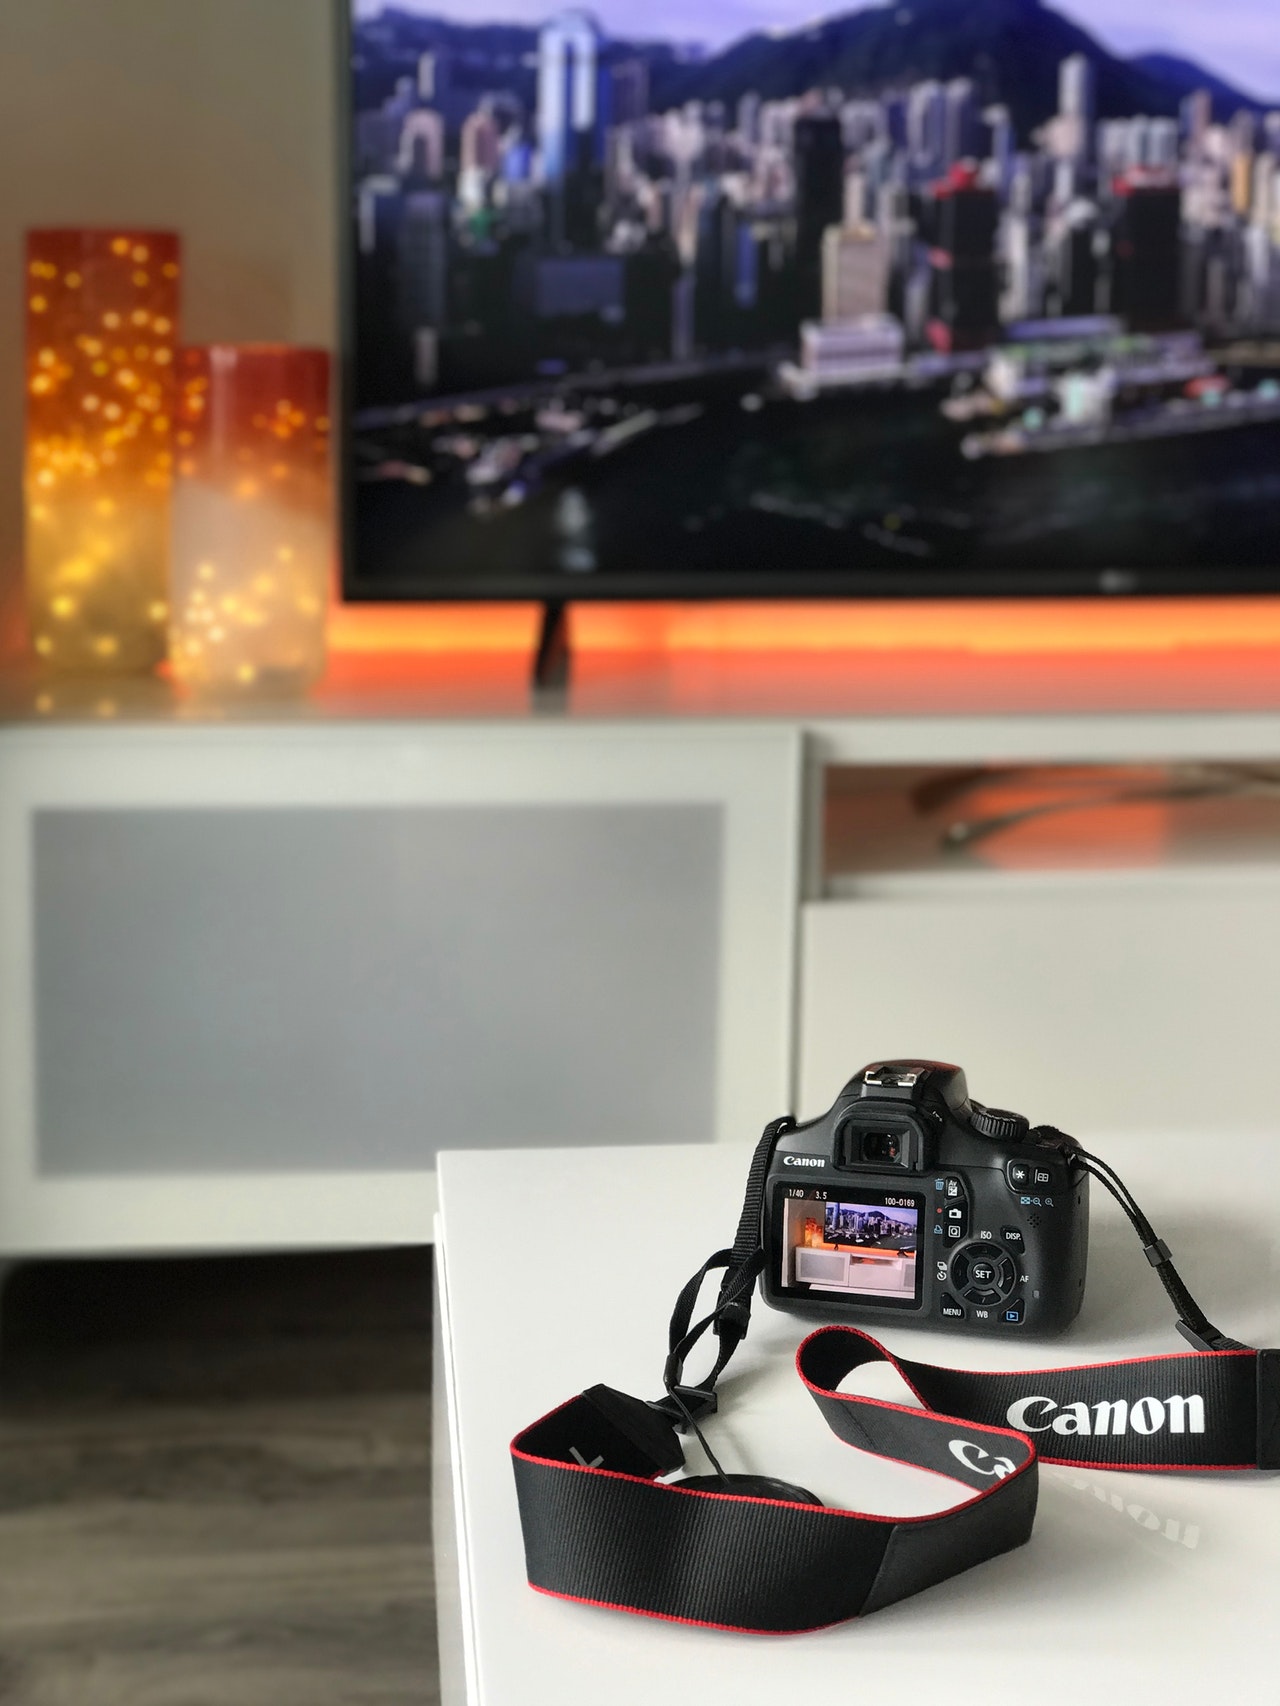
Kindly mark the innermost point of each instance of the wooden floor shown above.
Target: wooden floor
(214, 1483)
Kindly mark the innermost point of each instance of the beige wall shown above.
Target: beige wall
(211, 117)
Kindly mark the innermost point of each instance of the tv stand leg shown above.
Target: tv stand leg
(551, 662)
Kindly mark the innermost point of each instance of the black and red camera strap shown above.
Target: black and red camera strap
(742, 1552)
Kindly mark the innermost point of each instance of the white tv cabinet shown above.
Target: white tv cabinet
(258, 967)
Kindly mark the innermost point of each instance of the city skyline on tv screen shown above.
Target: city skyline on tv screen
(935, 296)
(1239, 42)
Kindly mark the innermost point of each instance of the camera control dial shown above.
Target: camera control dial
(998, 1123)
(983, 1274)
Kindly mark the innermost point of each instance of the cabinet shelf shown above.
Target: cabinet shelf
(977, 820)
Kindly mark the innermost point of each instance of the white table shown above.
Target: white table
(1135, 1588)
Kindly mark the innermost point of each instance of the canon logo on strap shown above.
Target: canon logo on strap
(1109, 1416)
(975, 1458)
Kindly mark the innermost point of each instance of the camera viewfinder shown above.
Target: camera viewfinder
(879, 1146)
(883, 1147)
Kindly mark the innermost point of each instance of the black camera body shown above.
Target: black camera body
(909, 1203)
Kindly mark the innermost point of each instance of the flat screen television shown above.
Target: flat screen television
(706, 297)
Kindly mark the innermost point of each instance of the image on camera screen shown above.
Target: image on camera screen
(865, 1246)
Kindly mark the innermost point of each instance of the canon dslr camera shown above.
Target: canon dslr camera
(910, 1202)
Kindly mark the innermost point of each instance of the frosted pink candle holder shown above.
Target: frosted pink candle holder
(253, 529)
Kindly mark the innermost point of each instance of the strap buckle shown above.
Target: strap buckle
(1212, 1340)
(732, 1320)
(684, 1406)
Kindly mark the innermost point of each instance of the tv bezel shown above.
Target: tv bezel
(1114, 580)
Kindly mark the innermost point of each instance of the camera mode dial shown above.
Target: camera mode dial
(998, 1123)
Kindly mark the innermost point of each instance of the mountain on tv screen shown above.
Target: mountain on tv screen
(702, 298)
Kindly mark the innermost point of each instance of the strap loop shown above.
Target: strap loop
(611, 1535)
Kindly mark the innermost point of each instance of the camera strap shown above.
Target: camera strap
(746, 1552)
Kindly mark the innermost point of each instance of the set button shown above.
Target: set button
(983, 1274)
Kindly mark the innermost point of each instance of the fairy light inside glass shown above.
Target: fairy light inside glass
(102, 327)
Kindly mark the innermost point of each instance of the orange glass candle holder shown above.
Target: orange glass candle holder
(253, 531)
(102, 326)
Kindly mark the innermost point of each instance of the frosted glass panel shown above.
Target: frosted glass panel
(222, 990)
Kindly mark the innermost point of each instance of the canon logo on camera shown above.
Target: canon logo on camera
(804, 1161)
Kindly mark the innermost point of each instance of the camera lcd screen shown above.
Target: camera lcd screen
(860, 1245)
